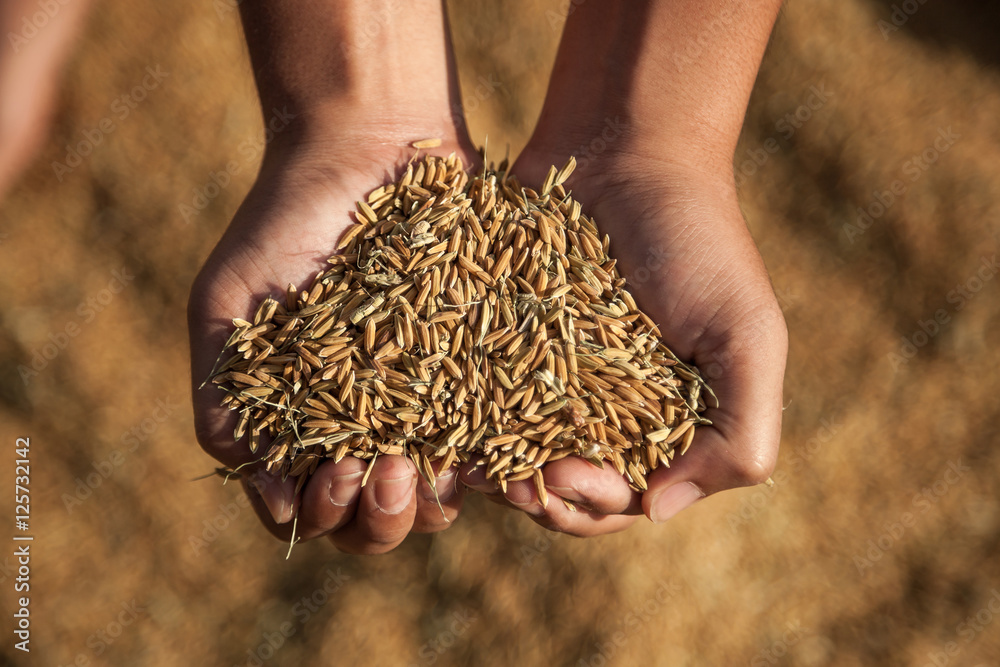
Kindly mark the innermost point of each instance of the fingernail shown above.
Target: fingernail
(345, 488)
(489, 488)
(276, 496)
(567, 493)
(532, 507)
(393, 495)
(443, 485)
(673, 500)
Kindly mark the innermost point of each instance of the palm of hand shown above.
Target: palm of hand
(287, 226)
(690, 262)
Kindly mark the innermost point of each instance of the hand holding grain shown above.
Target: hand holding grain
(466, 318)
(681, 242)
(666, 131)
(650, 97)
(348, 73)
(298, 208)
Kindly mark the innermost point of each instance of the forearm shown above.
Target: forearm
(377, 62)
(668, 77)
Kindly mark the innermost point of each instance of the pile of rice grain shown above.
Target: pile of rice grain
(465, 318)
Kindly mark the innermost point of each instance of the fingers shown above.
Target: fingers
(581, 523)
(600, 500)
(330, 497)
(361, 520)
(385, 509)
(603, 491)
(473, 475)
(741, 447)
(213, 423)
(570, 517)
(257, 489)
(519, 495)
(439, 506)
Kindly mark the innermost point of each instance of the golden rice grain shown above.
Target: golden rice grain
(464, 318)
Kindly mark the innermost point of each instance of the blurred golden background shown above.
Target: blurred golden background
(877, 545)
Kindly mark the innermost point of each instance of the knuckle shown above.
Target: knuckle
(775, 319)
(557, 523)
(752, 470)
(219, 445)
(353, 549)
(767, 325)
(428, 526)
(207, 436)
(362, 547)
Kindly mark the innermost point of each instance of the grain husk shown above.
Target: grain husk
(463, 318)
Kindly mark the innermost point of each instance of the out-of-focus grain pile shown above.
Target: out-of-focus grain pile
(876, 545)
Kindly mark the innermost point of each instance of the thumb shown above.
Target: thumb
(746, 371)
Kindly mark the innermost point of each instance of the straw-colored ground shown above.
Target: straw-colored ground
(877, 545)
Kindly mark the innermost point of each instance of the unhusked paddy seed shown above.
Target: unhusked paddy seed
(463, 317)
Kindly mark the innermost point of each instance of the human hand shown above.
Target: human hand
(682, 243)
(650, 98)
(29, 81)
(356, 102)
(707, 286)
(288, 224)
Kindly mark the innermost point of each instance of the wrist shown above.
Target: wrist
(345, 144)
(666, 80)
(360, 67)
(341, 128)
(622, 137)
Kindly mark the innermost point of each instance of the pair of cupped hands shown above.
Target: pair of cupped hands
(676, 230)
